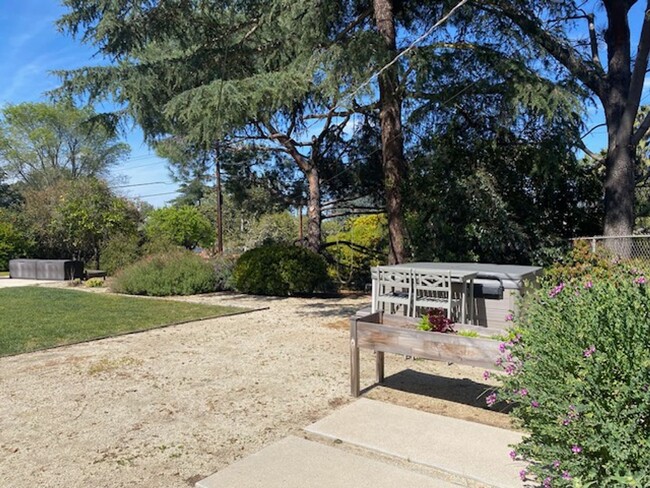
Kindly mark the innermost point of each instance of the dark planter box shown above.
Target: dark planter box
(46, 269)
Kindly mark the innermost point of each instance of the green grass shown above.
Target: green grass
(33, 318)
(4, 273)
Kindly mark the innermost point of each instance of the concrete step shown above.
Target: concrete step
(472, 451)
(299, 463)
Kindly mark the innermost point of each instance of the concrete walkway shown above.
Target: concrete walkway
(6, 282)
(472, 454)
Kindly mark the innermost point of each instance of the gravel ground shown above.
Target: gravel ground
(168, 407)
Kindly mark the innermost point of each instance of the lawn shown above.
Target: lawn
(4, 273)
(34, 318)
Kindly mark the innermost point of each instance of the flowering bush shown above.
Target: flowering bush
(578, 375)
(436, 321)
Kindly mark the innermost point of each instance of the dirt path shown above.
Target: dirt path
(170, 406)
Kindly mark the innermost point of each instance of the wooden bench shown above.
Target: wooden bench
(94, 273)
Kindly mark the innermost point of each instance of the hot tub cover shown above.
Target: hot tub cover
(511, 276)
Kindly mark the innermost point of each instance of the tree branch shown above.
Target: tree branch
(641, 131)
(590, 74)
(589, 152)
(640, 66)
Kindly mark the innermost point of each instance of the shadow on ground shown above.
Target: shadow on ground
(457, 390)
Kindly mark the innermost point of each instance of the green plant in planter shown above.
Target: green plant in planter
(578, 375)
(436, 321)
(468, 333)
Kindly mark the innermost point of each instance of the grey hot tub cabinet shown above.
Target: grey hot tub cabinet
(46, 269)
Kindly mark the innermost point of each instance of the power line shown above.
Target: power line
(144, 184)
(158, 194)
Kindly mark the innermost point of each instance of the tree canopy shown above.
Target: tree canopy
(42, 143)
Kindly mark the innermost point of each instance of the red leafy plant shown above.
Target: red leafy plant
(436, 321)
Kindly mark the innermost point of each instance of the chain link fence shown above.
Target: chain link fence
(625, 247)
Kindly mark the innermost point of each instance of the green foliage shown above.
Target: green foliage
(582, 264)
(274, 228)
(41, 143)
(578, 374)
(88, 214)
(173, 273)
(358, 246)
(499, 197)
(94, 283)
(75, 218)
(280, 270)
(183, 226)
(120, 251)
(13, 242)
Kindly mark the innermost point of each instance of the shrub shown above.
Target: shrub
(184, 226)
(280, 270)
(578, 374)
(120, 251)
(94, 283)
(582, 264)
(224, 266)
(173, 273)
(13, 243)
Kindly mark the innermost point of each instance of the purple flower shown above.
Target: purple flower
(486, 375)
(499, 361)
(589, 351)
(566, 475)
(523, 392)
(547, 482)
(491, 399)
(556, 463)
(510, 369)
(640, 280)
(534, 404)
(502, 347)
(588, 284)
(556, 291)
(513, 455)
(522, 475)
(576, 449)
(510, 317)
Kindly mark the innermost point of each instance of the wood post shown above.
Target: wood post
(354, 359)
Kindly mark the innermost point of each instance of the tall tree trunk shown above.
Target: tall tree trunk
(310, 169)
(313, 210)
(619, 169)
(392, 142)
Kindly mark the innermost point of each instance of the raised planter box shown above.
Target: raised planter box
(45, 269)
(396, 334)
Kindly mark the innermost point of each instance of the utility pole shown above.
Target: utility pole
(217, 174)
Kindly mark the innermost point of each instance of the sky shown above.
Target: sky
(32, 48)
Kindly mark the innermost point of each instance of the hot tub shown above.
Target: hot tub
(45, 269)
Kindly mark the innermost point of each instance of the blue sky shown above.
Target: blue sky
(31, 48)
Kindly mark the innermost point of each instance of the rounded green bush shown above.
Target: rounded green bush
(173, 273)
(577, 371)
(280, 270)
(94, 283)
